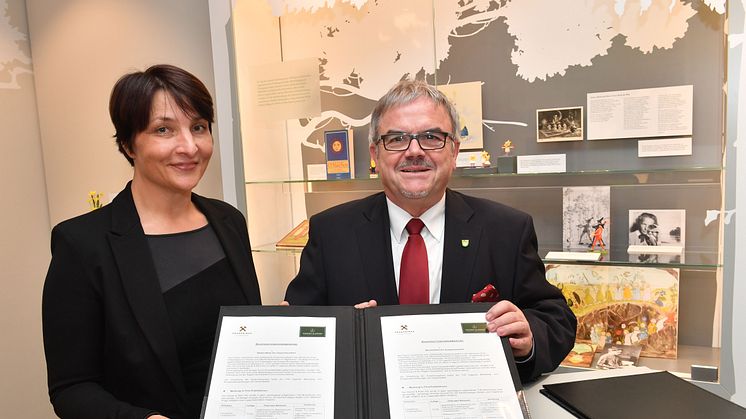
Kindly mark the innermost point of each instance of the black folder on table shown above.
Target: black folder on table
(360, 389)
(653, 395)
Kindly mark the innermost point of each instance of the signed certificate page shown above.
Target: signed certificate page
(446, 366)
(273, 367)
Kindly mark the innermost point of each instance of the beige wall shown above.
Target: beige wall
(24, 222)
(57, 145)
(80, 48)
(270, 207)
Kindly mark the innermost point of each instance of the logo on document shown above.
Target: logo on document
(473, 327)
(241, 330)
(312, 332)
(403, 329)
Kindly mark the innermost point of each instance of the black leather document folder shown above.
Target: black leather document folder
(360, 381)
(654, 395)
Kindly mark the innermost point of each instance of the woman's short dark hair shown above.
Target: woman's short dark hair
(132, 99)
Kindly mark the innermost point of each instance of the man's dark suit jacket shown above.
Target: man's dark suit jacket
(348, 260)
(107, 338)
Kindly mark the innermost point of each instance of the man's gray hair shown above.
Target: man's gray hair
(407, 91)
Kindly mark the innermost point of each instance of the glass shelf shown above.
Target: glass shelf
(690, 259)
(623, 177)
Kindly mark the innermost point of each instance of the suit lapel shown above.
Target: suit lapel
(235, 247)
(374, 243)
(461, 242)
(141, 287)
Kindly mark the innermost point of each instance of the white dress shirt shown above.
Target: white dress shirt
(435, 222)
(433, 232)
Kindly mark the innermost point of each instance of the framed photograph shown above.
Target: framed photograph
(559, 124)
(618, 356)
(585, 217)
(659, 228)
(622, 305)
(467, 99)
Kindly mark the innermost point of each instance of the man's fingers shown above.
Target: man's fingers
(516, 329)
(367, 304)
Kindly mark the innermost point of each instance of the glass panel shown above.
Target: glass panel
(524, 58)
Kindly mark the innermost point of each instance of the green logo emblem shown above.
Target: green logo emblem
(474, 327)
(464, 242)
(312, 332)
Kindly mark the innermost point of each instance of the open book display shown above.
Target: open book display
(296, 238)
(340, 362)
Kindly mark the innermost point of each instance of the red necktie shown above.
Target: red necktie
(414, 279)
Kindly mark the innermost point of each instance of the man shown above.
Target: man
(359, 252)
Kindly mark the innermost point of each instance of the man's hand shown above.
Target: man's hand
(367, 304)
(505, 319)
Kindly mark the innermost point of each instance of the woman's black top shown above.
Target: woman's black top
(196, 279)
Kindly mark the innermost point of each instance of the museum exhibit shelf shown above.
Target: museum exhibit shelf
(694, 260)
(541, 196)
(686, 175)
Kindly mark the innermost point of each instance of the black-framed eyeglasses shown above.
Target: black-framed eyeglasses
(399, 141)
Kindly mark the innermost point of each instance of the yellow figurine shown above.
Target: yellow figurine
(372, 169)
(486, 159)
(507, 146)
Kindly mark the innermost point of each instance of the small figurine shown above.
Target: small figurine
(372, 169)
(486, 159)
(507, 146)
(586, 230)
(598, 233)
(505, 162)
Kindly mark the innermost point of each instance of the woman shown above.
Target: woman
(133, 291)
(644, 231)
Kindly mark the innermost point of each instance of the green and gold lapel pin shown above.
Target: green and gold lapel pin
(464, 242)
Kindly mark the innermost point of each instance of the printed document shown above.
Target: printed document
(273, 367)
(446, 366)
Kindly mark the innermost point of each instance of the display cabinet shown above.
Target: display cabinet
(491, 43)
(541, 196)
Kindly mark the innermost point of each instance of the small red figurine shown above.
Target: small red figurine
(598, 233)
